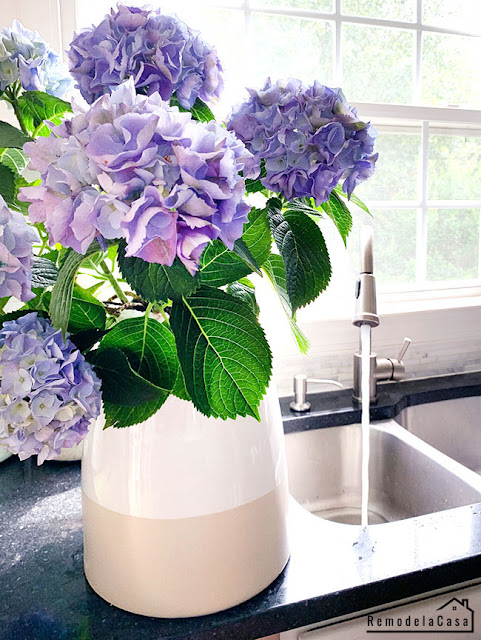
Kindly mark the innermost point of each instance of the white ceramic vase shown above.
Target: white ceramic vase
(185, 515)
(71, 454)
(4, 454)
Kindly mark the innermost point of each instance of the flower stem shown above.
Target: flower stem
(11, 96)
(19, 116)
(163, 314)
(113, 282)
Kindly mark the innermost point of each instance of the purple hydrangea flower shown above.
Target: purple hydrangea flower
(308, 139)
(49, 393)
(133, 167)
(25, 56)
(161, 53)
(16, 255)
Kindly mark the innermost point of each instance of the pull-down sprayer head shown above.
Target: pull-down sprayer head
(366, 311)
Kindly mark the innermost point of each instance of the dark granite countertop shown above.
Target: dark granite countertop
(334, 569)
(336, 408)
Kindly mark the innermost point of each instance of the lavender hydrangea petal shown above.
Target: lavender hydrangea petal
(48, 393)
(133, 167)
(160, 53)
(16, 254)
(25, 56)
(308, 139)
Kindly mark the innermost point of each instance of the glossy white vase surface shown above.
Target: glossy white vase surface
(4, 454)
(185, 515)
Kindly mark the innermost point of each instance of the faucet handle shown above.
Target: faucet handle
(404, 348)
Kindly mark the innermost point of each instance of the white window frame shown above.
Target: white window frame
(438, 120)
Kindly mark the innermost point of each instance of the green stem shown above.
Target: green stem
(163, 314)
(146, 323)
(11, 96)
(113, 281)
(19, 116)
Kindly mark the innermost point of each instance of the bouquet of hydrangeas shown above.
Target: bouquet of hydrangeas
(126, 232)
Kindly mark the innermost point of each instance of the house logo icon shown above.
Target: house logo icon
(455, 616)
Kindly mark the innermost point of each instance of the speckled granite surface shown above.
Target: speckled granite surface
(334, 569)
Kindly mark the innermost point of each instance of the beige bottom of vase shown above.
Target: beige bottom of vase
(188, 566)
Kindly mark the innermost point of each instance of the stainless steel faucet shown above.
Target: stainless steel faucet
(366, 314)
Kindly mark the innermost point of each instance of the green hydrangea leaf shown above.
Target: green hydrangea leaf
(303, 252)
(87, 312)
(121, 384)
(199, 110)
(138, 371)
(339, 213)
(244, 290)
(254, 185)
(11, 136)
(223, 352)
(156, 282)
(14, 159)
(8, 188)
(219, 265)
(276, 272)
(354, 199)
(37, 106)
(61, 300)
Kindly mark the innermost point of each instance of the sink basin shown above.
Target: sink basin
(452, 426)
(408, 477)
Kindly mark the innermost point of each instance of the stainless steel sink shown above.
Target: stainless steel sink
(452, 426)
(407, 476)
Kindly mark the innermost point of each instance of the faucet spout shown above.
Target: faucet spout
(366, 307)
(366, 314)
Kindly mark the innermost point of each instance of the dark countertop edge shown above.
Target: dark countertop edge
(337, 408)
(338, 604)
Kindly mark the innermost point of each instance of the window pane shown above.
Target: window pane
(318, 5)
(454, 168)
(390, 9)
(453, 244)
(455, 14)
(392, 228)
(378, 64)
(451, 74)
(283, 46)
(397, 168)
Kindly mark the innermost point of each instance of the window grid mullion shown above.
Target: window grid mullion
(362, 20)
(422, 216)
(338, 45)
(430, 204)
(419, 39)
(246, 9)
(479, 250)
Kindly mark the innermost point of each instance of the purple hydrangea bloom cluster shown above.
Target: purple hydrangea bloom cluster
(309, 139)
(16, 255)
(25, 56)
(49, 393)
(133, 167)
(161, 53)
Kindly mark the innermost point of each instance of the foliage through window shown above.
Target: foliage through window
(410, 65)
